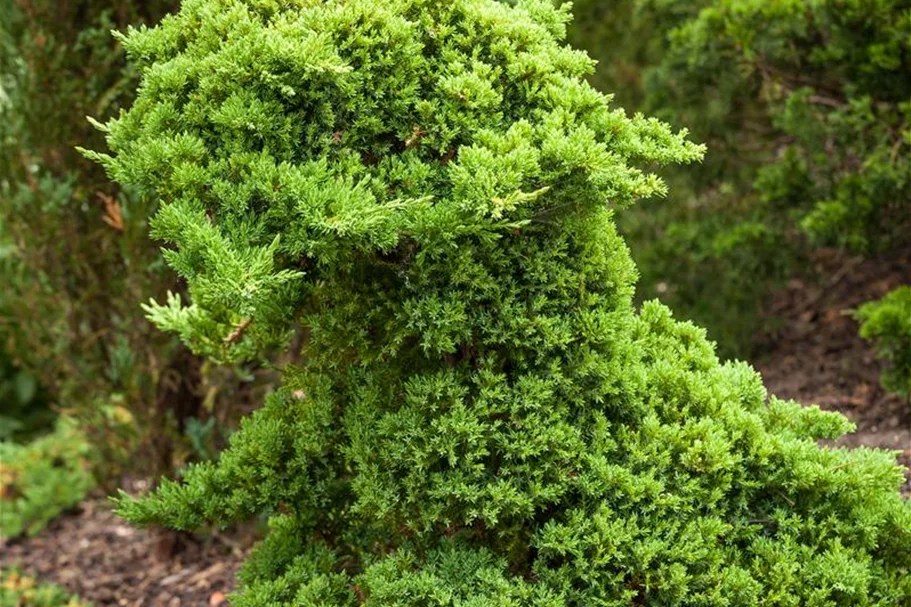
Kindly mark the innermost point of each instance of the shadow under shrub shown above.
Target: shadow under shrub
(24, 410)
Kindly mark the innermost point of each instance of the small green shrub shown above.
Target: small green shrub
(41, 479)
(480, 416)
(19, 590)
(887, 323)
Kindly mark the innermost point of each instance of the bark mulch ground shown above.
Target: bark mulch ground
(92, 553)
(816, 358)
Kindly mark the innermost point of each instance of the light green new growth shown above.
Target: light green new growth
(481, 417)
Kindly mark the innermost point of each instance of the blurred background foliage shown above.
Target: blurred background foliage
(42, 478)
(76, 260)
(805, 106)
(887, 323)
(18, 589)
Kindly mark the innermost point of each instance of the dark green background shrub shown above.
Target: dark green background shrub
(75, 255)
(480, 416)
(806, 110)
(23, 407)
(887, 322)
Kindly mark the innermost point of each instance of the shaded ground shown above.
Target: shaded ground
(96, 555)
(818, 357)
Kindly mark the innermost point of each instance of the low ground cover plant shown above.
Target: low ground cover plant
(20, 590)
(43, 478)
(887, 323)
(479, 414)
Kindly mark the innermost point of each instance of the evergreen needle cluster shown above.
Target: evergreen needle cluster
(480, 417)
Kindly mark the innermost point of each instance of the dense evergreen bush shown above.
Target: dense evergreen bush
(75, 255)
(887, 322)
(480, 416)
(806, 109)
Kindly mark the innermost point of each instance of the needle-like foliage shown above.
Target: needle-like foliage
(480, 417)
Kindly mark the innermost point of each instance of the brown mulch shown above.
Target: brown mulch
(817, 356)
(94, 554)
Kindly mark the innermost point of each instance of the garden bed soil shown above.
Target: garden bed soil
(817, 356)
(94, 554)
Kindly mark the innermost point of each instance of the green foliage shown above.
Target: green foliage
(887, 322)
(75, 254)
(806, 110)
(19, 590)
(479, 415)
(43, 478)
(23, 408)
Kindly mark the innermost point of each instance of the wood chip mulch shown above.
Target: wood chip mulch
(96, 555)
(817, 356)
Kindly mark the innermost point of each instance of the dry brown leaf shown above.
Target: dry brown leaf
(112, 215)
